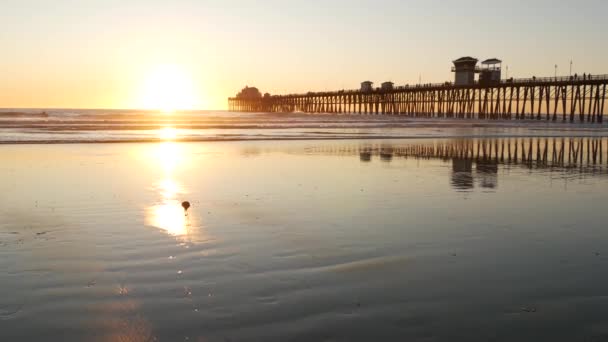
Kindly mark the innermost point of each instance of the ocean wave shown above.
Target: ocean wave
(14, 115)
(71, 138)
(100, 126)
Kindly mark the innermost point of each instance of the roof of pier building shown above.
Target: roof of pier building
(387, 85)
(491, 61)
(249, 93)
(466, 60)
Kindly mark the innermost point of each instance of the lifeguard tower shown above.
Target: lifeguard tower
(465, 69)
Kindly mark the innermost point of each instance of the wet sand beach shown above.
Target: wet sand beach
(303, 171)
(477, 239)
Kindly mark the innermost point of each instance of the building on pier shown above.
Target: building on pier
(367, 86)
(465, 69)
(387, 86)
(490, 73)
(249, 93)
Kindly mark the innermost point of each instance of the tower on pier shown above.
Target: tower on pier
(490, 71)
(387, 86)
(465, 69)
(367, 86)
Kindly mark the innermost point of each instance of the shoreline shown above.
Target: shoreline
(214, 140)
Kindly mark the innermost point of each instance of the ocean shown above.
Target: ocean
(100, 126)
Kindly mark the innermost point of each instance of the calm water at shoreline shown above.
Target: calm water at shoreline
(499, 239)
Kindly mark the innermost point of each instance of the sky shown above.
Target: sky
(196, 53)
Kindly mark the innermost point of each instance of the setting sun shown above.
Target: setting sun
(168, 88)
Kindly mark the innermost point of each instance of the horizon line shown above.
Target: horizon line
(109, 108)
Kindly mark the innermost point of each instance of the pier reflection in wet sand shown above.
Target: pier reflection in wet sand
(481, 158)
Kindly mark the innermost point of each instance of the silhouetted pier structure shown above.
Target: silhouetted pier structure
(487, 96)
(563, 98)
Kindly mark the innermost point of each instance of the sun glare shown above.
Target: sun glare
(169, 215)
(169, 156)
(168, 88)
(167, 134)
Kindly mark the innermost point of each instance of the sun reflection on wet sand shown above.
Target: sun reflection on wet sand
(168, 214)
(121, 320)
(168, 157)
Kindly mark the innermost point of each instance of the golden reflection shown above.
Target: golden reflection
(168, 213)
(168, 188)
(170, 217)
(167, 134)
(168, 156)
(121, 320)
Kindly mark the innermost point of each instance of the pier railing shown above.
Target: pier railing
(508, 81)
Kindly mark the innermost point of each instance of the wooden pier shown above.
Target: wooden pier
(568, 99)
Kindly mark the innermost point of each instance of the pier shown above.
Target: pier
(568, 99)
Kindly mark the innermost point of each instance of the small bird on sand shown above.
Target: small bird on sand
(185, 205)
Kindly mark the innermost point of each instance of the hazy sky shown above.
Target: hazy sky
(99, 54)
